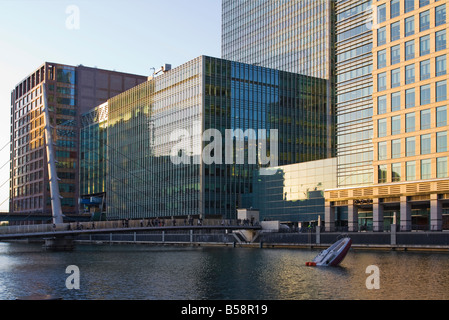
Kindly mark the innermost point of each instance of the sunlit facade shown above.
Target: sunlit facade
(410, 182)
(71, 91)
(292, 36)
(205, 93)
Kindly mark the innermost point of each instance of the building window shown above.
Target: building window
(410, 50)
(409, 5)
(382, 81)
(395, 31)
(395, 172)
(395, 54)
(382, 150)
(410, 171)
(425, 94)
(395, 78)
(409, 26)
(381, 36)
(410, 122)
(424, 68)
(381, 59)
(381, 128)
(382, 173)
(442, 167)
(395, 148)
(410, 144)
(440, 65)
(440, 40)
(395, 101)
(440, 15)
(425, 119)
(394, 8)
(410, 98)
(395, 125)
(441, 91)
(442, 141)
(426, 144)
(424, 20)
(381, 13)
(426, 169)
(424, 45)
(410, 74)
(381, 104)
(423, 3)
(441, 116)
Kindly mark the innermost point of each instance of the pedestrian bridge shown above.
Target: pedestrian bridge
(119, 226)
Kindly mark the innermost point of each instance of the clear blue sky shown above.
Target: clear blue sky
(127, 36)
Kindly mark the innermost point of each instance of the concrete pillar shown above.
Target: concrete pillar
(393, 234)
(378, 215)
(317, 235)
(329, 217)
(353, 217)
(406, 214)
(436, 213)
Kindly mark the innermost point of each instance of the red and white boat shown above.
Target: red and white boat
(333, 255)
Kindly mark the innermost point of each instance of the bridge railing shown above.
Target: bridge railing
(113, 224)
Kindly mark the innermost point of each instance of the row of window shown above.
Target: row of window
(424, 121)
(409, 25)
(425, 146)
(410, 170)
(395, 8)
(424, 93)
(409, 49)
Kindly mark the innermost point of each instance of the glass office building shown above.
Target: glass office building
(93, 156)
(70, 91)
(295, 192)
(354, 88)
(292, 36)
(206, 93)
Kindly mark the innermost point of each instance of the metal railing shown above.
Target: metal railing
(118, 224)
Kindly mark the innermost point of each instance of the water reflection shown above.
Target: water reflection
(149, 272)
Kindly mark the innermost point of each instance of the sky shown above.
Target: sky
(131, 36)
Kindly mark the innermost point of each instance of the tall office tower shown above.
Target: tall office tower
(293, 36)
(70, 92)
(410, 125)
(354, 88)
(207, 96)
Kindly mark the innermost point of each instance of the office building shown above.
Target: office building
(207, 94)
(71, 91)
(292, 36)
(410, 172)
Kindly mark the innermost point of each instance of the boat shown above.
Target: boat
(333, 255)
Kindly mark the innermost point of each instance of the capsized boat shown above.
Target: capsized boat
(333, 255)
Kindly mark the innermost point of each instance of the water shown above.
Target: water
(123, 272)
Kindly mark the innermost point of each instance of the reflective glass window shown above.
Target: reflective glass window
(425, 119)
(395, 31)
(410, 50)
(395, 54)
(409, 26)
(410, 98)
(442, 167)
(425, 94)
(395, 125)
(440, 15)
(410, 122)
(441, 141)
(424, 45)
(395, 101)
(424, 20)
(381, 59)
(395, 148)
(440, 65)
(441, 116)
(395, 172)
(381, 128)
(410, 171)
(395, 78)
(426, 169)
(441, 91)
(440, 40)
(426, 145)
(382, 150)
(381, 104)
(410, 144)
(410, 74)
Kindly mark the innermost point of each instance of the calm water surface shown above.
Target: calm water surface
(215, 273)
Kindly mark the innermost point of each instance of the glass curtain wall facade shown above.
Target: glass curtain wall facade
(205, 93)
(93, 152)
(292, 36)
(354, 90)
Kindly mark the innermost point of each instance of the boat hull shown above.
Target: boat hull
(334, 255)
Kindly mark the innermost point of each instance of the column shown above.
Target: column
(353, 217)
(329, 217)
(436, 213)
(406, 214)
(378, 215)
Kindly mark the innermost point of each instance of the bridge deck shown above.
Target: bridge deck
(73, 229)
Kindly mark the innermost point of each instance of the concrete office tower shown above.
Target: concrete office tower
(410, 169)
(294, 36)
(71, 91)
